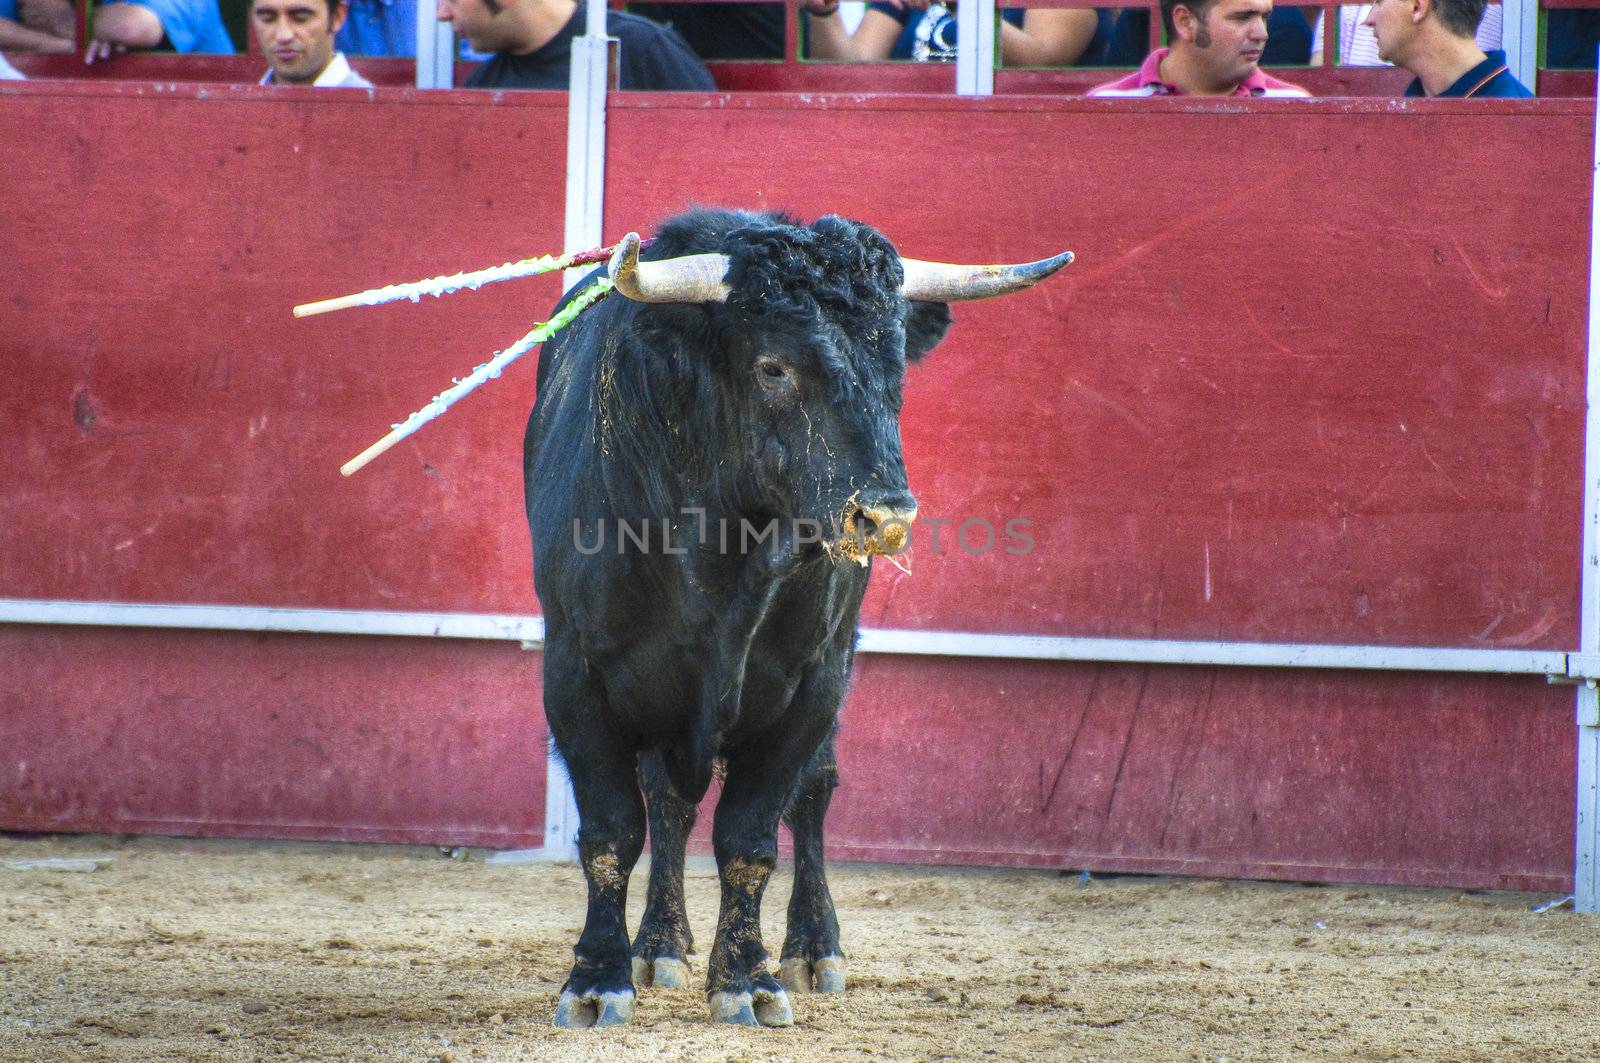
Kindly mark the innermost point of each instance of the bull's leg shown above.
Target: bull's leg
(812, 958)
(661, 948)
(599, 991)
(760, 780)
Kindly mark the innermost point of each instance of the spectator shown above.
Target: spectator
(182, 25)
(379, 27)
(1571, 38)
(37, 26)
(297, 37)
(923, 31)
(1434, 40)
(9, 72)
(1357, 46)
(1288, 38)
(1216, 51)
(723, 31)
(532, 45)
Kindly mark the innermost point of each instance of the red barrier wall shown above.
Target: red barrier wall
(1316, 376)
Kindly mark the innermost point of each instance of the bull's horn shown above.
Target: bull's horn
(685, 279)
(941, 282)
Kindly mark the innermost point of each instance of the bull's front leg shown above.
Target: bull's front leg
(739, 982)
(599, 991)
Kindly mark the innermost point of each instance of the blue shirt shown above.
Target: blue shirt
(191, 25)
(1488, 80)
(378, 27)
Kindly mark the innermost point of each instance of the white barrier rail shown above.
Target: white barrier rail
(529, 631)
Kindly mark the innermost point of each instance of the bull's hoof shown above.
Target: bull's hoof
(575, 1011)
(803, 976)
(760, 1007)
(664, 972)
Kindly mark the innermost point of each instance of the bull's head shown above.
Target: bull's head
(811, 329)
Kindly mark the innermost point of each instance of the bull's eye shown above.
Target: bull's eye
(772, 374)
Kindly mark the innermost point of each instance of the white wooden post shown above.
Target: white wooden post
(1586, 857)
(975, 49)
(436, 48)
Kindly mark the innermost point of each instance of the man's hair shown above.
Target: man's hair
(1197, 8)
(1460, 17)
(333, 7)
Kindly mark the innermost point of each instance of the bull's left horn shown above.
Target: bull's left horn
(685, 279)
(941, 282)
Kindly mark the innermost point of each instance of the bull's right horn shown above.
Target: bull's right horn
(942, 282)
(685, 279)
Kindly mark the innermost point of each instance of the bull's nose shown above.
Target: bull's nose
(888, 523)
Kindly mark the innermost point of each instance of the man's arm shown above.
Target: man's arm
(15, 37)
(1047, 38)
(826, 37)
(55, 17)
(130, 25)
(873, 40)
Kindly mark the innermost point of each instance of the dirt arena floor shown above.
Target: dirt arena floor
(175, 950)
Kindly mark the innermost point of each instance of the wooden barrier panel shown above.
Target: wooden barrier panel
(184, 433)
(1333, 776)
(1316, 376)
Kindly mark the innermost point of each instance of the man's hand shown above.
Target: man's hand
(102, 50)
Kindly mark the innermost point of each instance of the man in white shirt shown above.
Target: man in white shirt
(1358, 47)
(296, 36)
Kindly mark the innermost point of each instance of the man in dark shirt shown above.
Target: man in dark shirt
(532, 45)
(721, 31)
(1434, 40)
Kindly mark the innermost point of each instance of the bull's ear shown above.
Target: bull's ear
(668, 329)
(925, 328)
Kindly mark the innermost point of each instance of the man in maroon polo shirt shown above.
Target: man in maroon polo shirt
(1216, 49)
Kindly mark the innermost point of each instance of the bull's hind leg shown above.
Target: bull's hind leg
(661, 947)
(812, 958)
(599, 991)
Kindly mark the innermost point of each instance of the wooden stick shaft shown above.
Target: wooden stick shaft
(355, 464)
(327, 306)
(442, 285)
(483, 373)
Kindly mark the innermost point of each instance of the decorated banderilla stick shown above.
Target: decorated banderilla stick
(415, 290)
(487, 371)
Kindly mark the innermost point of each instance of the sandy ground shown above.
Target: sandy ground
(178, 950)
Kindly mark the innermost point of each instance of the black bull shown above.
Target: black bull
(712, 460)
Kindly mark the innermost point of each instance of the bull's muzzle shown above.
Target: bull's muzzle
(874, 529)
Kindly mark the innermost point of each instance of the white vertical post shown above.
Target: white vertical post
(586, 137)
(1586, 884)
(586, 186)
(436, 48)
(975, 48)
(1519, 36)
